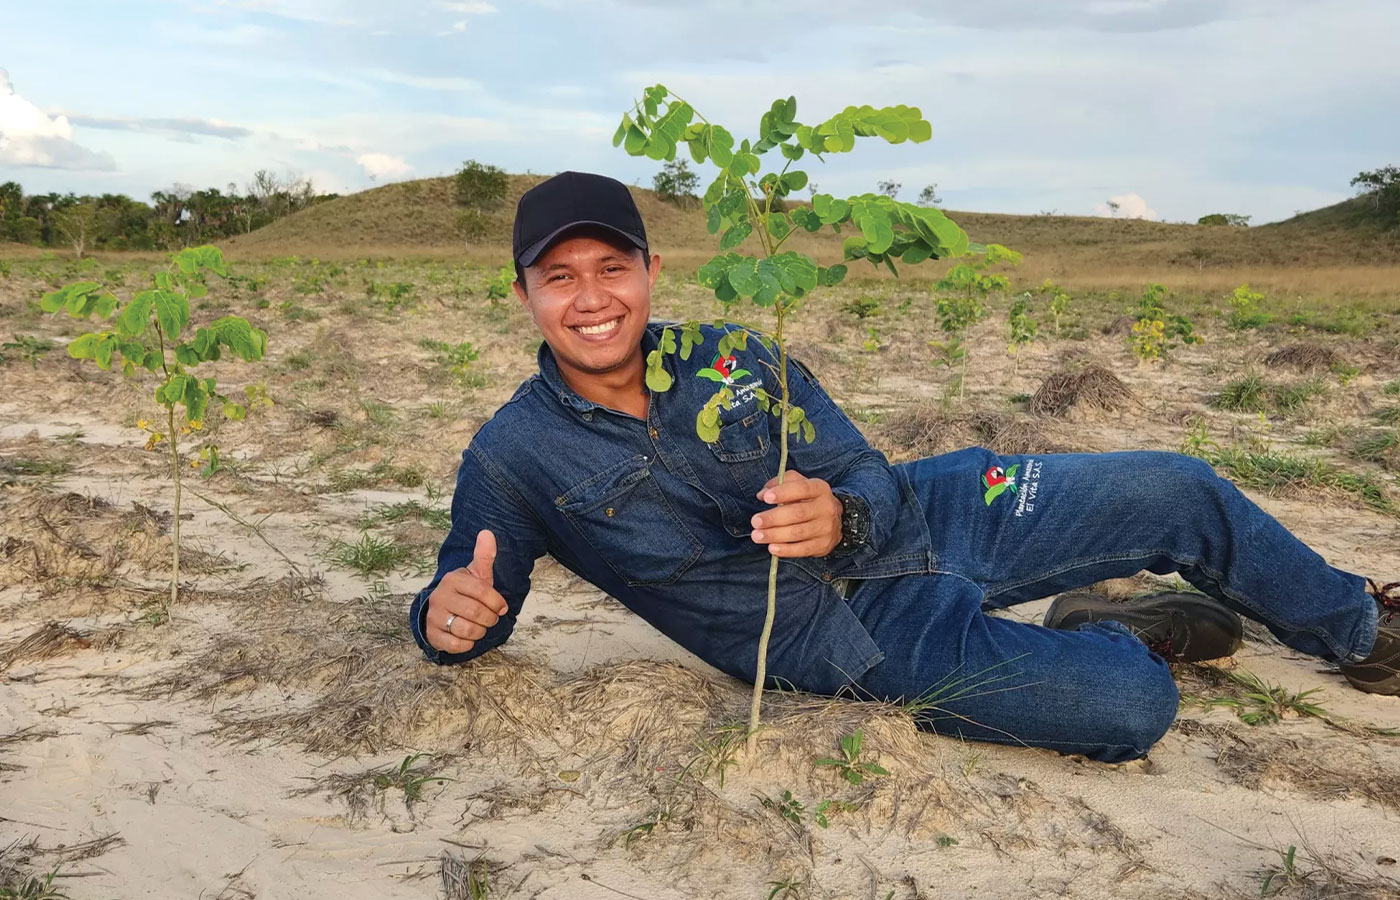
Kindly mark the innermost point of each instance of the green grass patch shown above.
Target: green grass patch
(369, 555)
(1252, 393)
(19, 470)
(376, 475)
(410, 510)
(1271, 471)
(1381, 447)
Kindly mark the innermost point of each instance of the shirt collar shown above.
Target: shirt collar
(558, 388)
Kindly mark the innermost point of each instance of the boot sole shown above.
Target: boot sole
(1214, 631)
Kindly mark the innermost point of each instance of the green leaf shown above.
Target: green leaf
(668, 341)
(136, 315)
(658, 379)
(622, 130)
(712, 220)
(805, 219)
(84, 346)
(187, 355)
(736, 234)
(832, 276)
(234, 411)
(105, 304)
(792, 151)
(172, 312)
(53, 301)
(691, 337)
(795, 181)
(636, 141)
(153, 361)
(711, 375)
(196, 399)
(916, 253)
(720, 145)
(778, 225)
(743, 276)
(102, 352)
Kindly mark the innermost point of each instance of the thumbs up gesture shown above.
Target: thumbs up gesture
(465, 603)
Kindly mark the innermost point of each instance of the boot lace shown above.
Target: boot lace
(1387, 596)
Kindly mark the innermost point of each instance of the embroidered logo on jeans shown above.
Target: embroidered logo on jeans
(996, 481)
(721, 369)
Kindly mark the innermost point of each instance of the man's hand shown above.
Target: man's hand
(464, 604)
(806, 520)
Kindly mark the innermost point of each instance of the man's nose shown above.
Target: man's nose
(591, 296)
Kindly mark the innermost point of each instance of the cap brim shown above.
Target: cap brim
(531, 253)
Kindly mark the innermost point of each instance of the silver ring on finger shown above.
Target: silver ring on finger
(447, 626)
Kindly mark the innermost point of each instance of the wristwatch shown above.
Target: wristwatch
(855, 524)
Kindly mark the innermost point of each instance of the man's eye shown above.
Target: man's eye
(557, 277)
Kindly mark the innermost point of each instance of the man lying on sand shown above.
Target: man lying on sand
(891, 567)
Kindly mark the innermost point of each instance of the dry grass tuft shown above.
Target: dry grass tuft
(1318, 767)
(1304, 357)
(56, 542)
(50, 640)
(1010, 435)
(1085, 387)
(926, 429)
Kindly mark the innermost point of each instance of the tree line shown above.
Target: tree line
(176, 217)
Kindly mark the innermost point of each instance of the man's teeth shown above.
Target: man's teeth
(598, 329)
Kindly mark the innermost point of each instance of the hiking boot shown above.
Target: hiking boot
(1379, 673)
(1188, 627)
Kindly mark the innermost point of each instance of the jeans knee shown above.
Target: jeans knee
(1153, 708)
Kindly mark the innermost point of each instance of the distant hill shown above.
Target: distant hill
(418, 218)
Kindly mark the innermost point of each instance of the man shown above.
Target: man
(888, 568)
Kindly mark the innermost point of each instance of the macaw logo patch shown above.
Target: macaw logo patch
(996, 481)
(722, 369)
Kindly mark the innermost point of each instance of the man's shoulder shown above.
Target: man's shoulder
(510, 416)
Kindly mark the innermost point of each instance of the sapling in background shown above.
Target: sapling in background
(1059, 302)
(1023, 327)
(1244, 309)
(151, 334)
(960, 304)
(739, 205)
(1156, 330)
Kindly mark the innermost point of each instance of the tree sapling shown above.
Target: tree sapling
(742, 203)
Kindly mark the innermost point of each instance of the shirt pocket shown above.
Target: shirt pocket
(742, 450)
(627, 520)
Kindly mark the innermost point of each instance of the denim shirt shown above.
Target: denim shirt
(659, 519)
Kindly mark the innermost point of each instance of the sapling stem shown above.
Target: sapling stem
(761, 673)
(175, 522)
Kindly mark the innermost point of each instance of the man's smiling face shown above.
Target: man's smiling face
(590, 295)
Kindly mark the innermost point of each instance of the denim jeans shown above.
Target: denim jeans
(1009, 529)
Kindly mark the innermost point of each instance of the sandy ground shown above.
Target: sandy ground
(248, 747)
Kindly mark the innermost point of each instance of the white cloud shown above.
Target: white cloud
(31, 137)
(1125, 206)
(426, 82)
(470, 8)
(383, 165)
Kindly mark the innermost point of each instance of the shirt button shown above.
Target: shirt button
(588, 417)
(654, 433)
(826, 576)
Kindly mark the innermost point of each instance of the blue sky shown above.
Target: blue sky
(1176, 107)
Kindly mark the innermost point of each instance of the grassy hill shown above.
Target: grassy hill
(417, 218)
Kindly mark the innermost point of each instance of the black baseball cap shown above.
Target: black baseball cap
(568, 200)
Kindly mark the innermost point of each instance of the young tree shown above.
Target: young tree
(742, 203)
(890, 188)
(675, 183)
(1383, 186)
(929, 195)
(78, 224)
(150, 334)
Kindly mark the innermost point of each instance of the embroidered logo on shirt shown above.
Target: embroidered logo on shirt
(996, 481)
(722, 369)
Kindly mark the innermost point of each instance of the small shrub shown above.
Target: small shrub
(1244, 309)
(676, 183)
(862, 307)
(27, 347)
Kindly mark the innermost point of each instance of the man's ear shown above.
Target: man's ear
(653, 270)
(519, 287)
